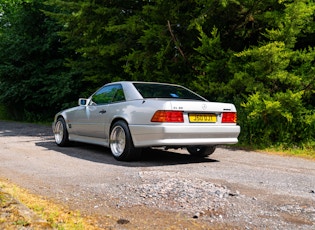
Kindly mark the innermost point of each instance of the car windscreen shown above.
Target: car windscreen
(155, 90)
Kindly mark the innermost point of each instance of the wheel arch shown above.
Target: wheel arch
(115, 120)
(64, 118)
(120, 119)
(128, 152)
(60, 129)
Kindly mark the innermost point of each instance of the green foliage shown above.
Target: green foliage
(262, 59)
(277, 82)
(32, 78)
(212, 60)
(96, 33)
(260, 55)
(164, 44)
(3, 113)
(278, 119)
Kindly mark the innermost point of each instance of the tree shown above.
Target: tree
(277, 80)
(134, 40)
(260, 55)
(97, 34)
(225, 28)
(32, 75)
(256, 54)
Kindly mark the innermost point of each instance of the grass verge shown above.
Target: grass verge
(19, 208)
(307, 152)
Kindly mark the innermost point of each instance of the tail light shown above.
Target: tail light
(167, 116)
(229, 117)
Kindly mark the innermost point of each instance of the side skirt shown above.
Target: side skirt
(89, 140)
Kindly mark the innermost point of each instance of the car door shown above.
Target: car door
(92, 121)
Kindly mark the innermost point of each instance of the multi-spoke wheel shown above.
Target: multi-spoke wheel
(121, 144)
(201, 151)
(61, 133)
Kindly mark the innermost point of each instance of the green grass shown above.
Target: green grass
(306, 151)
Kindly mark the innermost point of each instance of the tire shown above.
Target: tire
(121, 144)
(61, 133)
(201, 151)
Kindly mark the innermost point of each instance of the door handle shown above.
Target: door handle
(102, 111)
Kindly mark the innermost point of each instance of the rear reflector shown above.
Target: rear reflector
(168, 116)
(229, 117)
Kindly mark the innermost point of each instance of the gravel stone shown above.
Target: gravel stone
(173, 193)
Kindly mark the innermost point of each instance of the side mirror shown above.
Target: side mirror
(82, 101)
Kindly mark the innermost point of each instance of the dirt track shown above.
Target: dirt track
(230, 189)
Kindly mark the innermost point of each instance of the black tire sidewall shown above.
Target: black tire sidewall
(65, 136)
(130, 152)
(204, 151)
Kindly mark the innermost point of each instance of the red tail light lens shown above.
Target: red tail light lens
(168, 116)
(229, 117)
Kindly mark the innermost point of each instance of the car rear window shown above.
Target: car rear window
(155, 90)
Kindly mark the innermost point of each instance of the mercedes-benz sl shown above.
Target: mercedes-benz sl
(130, 116)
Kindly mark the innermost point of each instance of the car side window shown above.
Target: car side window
(108, 94)
(119, 95)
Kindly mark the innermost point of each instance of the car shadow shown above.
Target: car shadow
(150, 156)
(94, 153)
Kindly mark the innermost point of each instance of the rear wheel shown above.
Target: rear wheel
(121, 144)
(201, 151)
(61, 133)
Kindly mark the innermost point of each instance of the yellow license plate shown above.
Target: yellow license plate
(203, 118)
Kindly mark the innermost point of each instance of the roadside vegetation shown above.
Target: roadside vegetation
(21, 209)
(302, 152)
(259, 55)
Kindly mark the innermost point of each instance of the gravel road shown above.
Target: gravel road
(232, 189)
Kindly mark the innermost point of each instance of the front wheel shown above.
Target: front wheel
(61, 133)
(201, 151)
(121, 144)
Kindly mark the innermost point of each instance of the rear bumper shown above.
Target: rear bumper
(159, 135)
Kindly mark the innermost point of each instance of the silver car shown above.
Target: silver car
(129, 116)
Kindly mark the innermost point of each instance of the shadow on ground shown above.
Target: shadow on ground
(150, 157)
